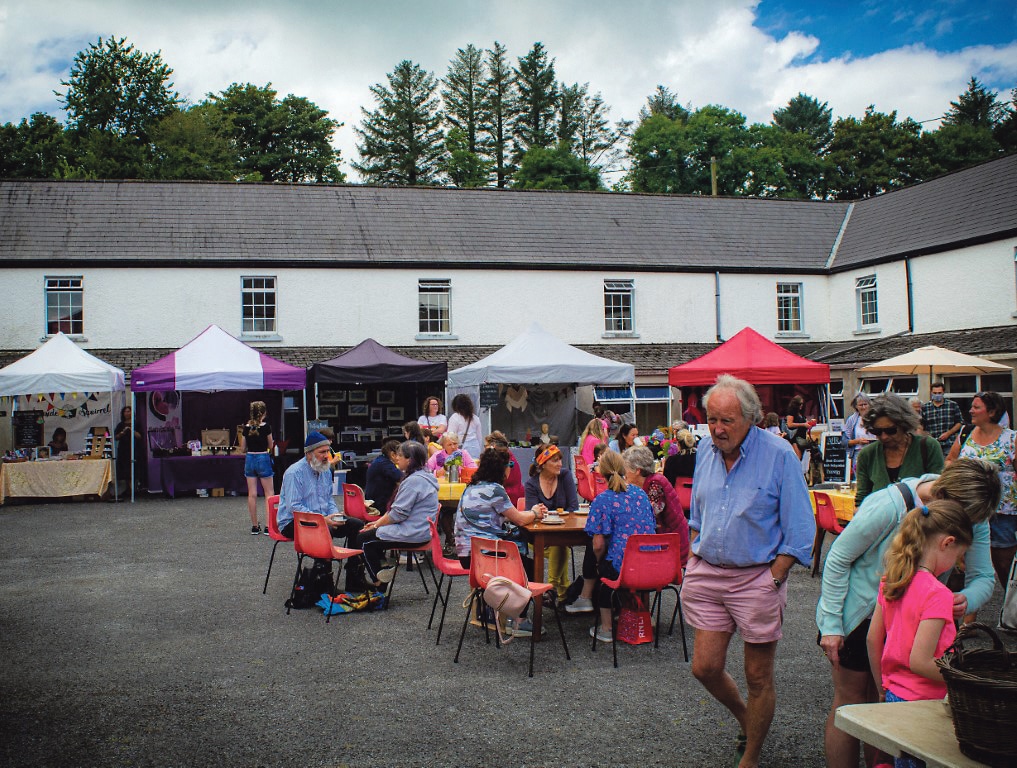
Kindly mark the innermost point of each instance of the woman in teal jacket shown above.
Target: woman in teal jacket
(854, 566)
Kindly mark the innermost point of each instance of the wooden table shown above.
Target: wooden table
(570, 533)
(920, 728)
(55, 478)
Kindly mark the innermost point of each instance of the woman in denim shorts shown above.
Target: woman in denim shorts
(256, 441)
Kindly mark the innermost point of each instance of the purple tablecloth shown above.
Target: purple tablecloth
(189, 473)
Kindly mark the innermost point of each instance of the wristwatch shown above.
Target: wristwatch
(777, 582)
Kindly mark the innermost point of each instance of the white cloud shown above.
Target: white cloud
(707, 52)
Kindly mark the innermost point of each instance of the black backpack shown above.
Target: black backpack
(315, 580)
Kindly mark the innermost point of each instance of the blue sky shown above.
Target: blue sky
(748, 55)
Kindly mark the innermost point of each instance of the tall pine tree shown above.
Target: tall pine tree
(463, 94)
(499, 101)
(533, 125)
(401, 140)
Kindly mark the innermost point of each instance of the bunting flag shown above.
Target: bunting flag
(93, 396)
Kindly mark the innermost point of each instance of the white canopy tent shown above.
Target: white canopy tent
(538, 358)
(60, 365)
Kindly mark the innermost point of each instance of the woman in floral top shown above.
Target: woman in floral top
(615, 515)
(991, 442)
(667, 507)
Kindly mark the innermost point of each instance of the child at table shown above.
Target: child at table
(913, 622)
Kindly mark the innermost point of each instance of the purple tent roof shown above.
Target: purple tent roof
(372, 363)
(214, 361)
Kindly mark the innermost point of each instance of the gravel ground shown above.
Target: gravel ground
(137, 634)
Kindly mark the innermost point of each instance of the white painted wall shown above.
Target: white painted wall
(165, 308)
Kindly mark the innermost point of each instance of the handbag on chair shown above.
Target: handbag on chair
(635, 625)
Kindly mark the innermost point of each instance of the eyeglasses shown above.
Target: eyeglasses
(888, 431)
(511, 464)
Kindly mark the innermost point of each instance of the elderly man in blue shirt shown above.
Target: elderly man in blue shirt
(751, 519)
(307, 487)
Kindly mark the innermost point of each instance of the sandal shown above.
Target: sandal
(740, 741)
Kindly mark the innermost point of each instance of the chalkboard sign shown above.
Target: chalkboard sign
(28, 429)
(834, 458)
(488, 395)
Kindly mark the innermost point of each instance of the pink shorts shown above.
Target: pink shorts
(725, 599)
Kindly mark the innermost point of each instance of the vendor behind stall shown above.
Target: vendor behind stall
(58, 444)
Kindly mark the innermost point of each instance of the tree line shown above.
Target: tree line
(489, 121)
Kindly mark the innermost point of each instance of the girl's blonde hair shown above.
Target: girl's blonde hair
(596, 428)
(612, 467)
(258, 411)
(940, 517)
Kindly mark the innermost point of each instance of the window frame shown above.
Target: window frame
(254, 331)
(795, 297)
(867, 286)
(619, 307)
(434, 320)
(52, 289)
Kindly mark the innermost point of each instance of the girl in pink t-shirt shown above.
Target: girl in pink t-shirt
(913, 623)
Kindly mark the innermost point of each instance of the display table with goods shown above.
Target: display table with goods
(179, 474)
(55, 478)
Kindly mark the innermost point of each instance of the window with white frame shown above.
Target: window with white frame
(866, 301)
(258, 301)
(619, 298)
(433, 302)
(64, 305)
(789, 307)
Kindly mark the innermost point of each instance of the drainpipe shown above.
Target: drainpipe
(716, 301)
(911, 296)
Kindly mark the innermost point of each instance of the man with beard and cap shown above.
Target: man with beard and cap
(307, 487)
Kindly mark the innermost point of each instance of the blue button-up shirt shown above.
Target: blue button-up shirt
(758, 510)
(305, 490)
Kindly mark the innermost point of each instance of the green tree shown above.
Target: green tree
(658, 150)
(463, 94)
(117, 90)
(35, 148)
(498, 101)
(571, 99)
(1006, 131)
(555, 168)
(537, 98)
(804, 114)
(780, 163)
(277, 140)
(463, 167)
(955, 146)
(874, 155)
(977, 107)
(194, 144)
(594, 136)
(663, 101)
(401, 140)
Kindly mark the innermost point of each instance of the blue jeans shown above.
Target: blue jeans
(258, 465)
(905, 761)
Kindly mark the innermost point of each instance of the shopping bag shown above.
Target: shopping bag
(635, 625)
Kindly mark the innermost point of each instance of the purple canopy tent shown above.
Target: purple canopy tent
(372, 363)
(215, 361)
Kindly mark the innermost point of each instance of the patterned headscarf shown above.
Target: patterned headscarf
(547, 454)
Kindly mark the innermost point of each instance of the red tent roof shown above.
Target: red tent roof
(752, 357)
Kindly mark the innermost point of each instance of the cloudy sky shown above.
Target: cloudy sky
(748, 55)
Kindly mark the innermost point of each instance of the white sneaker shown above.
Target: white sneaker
(601, 634)
(581, 605)
(385, 575)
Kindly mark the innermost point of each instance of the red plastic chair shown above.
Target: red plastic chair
(449, 568)
(826, 520)
(651, 563)
(585, 485)
(354, 504)
(494, 557)
(683, 485)
(311, 538)
(415, 555)
(272, 505)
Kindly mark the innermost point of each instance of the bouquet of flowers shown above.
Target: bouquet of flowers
(454, 459)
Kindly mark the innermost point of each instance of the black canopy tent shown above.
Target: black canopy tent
(372, 363)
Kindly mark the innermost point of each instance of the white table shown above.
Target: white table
(923, 729)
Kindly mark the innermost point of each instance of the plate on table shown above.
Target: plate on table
(553, 521)
(337, 518)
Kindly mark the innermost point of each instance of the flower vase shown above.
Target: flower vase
(453, 473)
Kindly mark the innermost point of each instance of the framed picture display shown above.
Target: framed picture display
(358, 395)
(328, 410)
(358, 410)
(386, 397)
(376, 415)
(394, 414)
(332, 396)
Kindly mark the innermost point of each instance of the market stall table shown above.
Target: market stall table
(843, 502)
(55, 478)
(190, 473)
(568, 534)
(920, 728)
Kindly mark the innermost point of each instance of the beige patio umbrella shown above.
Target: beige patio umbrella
(933, 360)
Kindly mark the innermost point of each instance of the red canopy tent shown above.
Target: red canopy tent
(752, 357)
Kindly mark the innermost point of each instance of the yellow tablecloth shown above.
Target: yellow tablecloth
(843, 503)
(450, 491)
(52, 479)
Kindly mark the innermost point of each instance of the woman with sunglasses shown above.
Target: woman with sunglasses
(899, 451)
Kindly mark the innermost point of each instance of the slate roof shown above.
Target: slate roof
(648, 359)
(206, 223)
(966, 207)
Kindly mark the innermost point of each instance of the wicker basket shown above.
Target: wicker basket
(982, 684)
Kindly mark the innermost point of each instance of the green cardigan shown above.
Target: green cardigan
(924, 456)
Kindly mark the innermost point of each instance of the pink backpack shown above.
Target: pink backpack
(506, 598)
